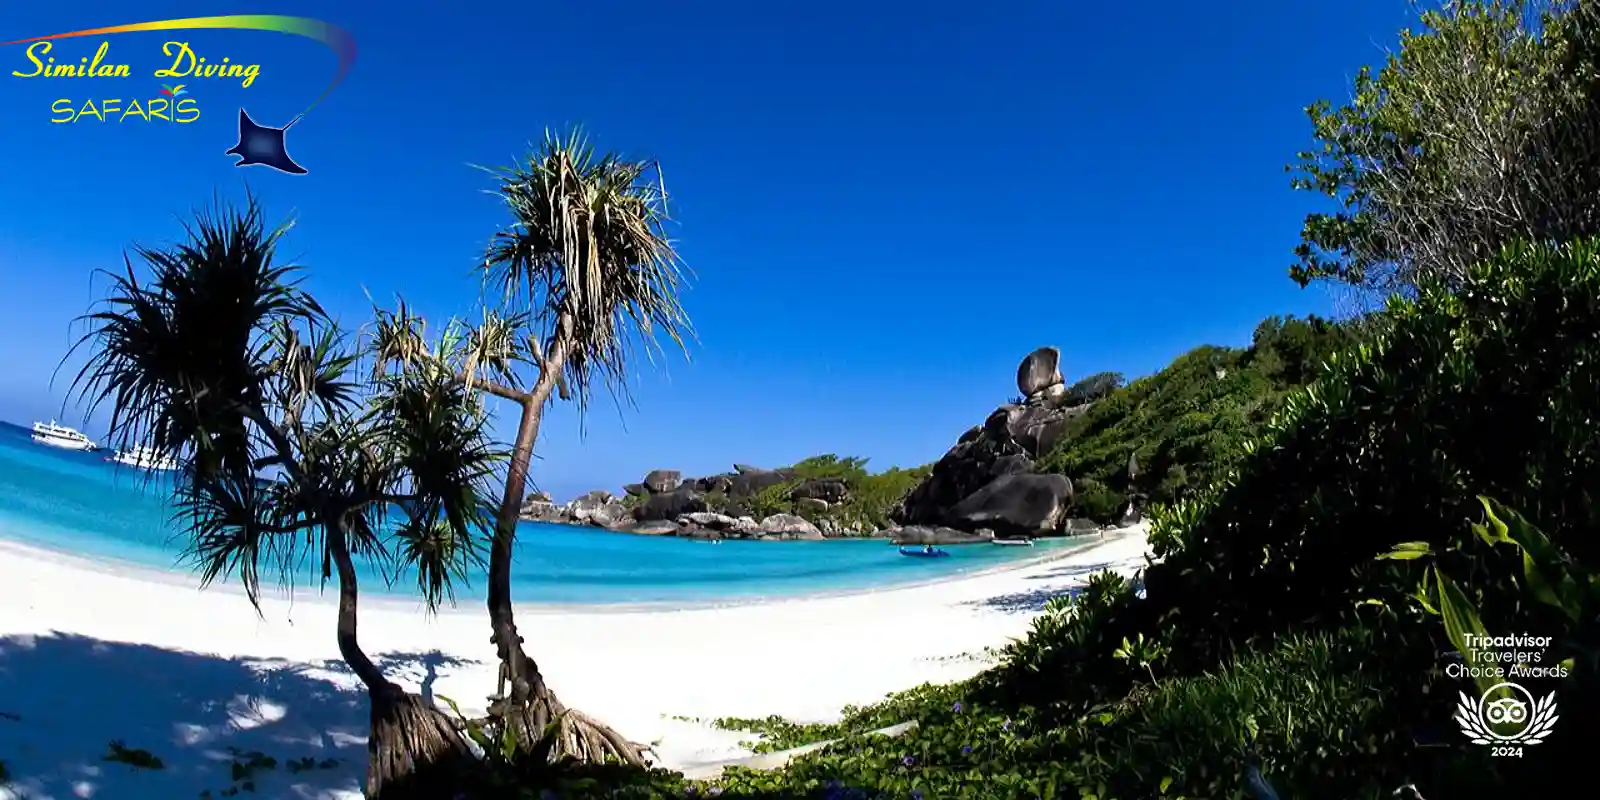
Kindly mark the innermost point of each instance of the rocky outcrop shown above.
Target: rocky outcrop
(748, 484)
(655, 527)
(789, 526)
(1019, 504)
(934, 534)
(598, 508)
(828, 490)
(986, 480)
(538, 507)
(667, 504)
(670, 505)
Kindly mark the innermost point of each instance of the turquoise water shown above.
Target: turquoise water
(83, 504)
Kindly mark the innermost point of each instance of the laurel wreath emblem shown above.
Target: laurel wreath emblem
(1543, 720)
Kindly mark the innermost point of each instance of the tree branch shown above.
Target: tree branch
(499, 390)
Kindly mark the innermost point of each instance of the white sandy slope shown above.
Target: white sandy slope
(92, 652)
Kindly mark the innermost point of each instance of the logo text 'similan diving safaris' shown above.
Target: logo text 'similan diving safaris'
(106, 89)
(179, 60)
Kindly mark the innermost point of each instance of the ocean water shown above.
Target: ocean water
(83, 504)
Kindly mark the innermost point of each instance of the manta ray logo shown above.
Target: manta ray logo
(257, 144)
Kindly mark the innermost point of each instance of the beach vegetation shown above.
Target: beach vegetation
(579, 279)
(585, 263)
(295, 448)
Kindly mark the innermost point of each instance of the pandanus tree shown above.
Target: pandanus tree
(295, 459)
(580, 279)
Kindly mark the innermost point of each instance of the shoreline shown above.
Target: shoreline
(106, 653)
(178, 577)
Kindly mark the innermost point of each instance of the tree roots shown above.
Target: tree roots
(577, 735)
(414, 750)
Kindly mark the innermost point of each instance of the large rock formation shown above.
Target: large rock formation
(931, 534)
(986, 480)
(1017, 504)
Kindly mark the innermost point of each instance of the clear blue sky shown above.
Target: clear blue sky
(886, 204)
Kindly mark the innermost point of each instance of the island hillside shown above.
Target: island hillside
(1057, 459)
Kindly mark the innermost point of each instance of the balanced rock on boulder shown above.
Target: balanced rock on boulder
(663, 480)
(1039, 371)
(1003, 447)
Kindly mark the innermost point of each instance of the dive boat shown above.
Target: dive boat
(921, 553)
(145, 458)
(61, 436)
(1014, 542)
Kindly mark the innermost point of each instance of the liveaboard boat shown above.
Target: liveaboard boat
(145, 458)
(61, 436)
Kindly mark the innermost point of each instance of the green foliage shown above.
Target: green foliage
(849, 468)
(1275, 707)
(1094, 500)
(1493, 385)
(1094, 387)
(871, 496)
(1475, 132)
(1186, 424)
(772, 500)
(1510, 562)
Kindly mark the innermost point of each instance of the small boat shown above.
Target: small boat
(920, 553)
(145, 458)
(61, 436)
(1014, 542)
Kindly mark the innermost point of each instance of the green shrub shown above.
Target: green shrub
(1092, 500)
(1311, 712)
(1187, 424)
(1495, 386)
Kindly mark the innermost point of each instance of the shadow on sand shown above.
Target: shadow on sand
(1035, 600)
(65, 698)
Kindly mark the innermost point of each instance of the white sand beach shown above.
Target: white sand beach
(95, 652)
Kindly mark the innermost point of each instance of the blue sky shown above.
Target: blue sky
(886, 205)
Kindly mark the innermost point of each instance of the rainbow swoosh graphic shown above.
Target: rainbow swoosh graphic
(336, 38)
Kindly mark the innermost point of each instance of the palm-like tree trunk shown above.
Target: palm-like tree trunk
(413, 751)
(526, 703)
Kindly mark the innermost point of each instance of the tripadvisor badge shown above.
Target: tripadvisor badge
(1506, 717)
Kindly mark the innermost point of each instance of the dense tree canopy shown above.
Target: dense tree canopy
(1482, 127)
(1185, 424)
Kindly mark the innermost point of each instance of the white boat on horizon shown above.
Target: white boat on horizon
(145, 458)
(61, 436)
(1014, 542)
